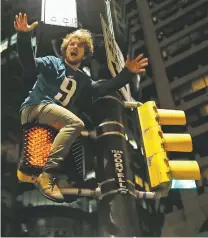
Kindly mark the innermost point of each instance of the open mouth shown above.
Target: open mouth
(73, 53)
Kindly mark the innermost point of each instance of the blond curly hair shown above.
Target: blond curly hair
(84, 36)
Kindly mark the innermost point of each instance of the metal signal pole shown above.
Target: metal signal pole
(117, 214)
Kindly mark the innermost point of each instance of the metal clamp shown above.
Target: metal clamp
(128, 104)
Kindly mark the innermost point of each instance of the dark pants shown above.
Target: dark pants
(68, 124)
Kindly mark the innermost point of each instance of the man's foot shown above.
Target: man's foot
(47, 185)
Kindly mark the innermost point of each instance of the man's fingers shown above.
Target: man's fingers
(127, 58)
(141, 71)
(25, 19)
(143, 60)
(15, 25)
(20, 18)
(34, 25)
(17, 20)
(144, 64)
(139, 57)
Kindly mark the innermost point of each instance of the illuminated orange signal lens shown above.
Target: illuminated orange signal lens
(37, 145)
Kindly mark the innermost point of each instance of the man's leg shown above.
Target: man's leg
(69, 126)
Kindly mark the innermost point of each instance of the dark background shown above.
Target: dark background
(173, 35)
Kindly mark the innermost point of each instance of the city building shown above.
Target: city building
(173, 34)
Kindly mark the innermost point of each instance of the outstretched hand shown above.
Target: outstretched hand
(136, 65)
(21, 24)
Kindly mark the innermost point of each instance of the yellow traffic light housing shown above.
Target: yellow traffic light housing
(156, 144)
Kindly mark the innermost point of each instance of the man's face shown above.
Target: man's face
(75, 52)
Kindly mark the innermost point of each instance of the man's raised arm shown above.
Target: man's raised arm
(132, 67)
(24, 44)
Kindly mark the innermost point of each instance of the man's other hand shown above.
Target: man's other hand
(21, 24)
(136, 65)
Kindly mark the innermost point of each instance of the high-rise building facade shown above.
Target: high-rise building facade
(173, 34)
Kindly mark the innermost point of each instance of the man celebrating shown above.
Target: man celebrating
(60, 93)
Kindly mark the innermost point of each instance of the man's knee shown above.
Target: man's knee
(79, 124)
(76, 123)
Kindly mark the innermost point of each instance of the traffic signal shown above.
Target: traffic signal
(156, 144)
